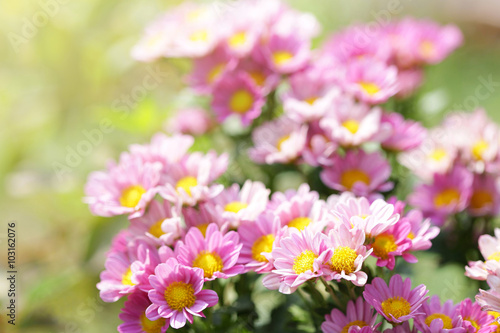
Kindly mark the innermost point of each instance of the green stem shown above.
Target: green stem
(329, 289)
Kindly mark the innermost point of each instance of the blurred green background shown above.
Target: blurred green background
(66, 71)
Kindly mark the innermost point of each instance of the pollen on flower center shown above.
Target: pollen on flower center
(351, 125)
(180, 295)
(155, 229)
(480, 199)
(396, 306)
(215, 73)
(351, 177)
(494, 256)
(383, 245)
(258, 77)
(447, 197)
(199, 36)
(210, 262)
(262, 244)
(186, 183)
(311, 100)
(479, 148)
(343, 260)
(132, 195)
(427, 49)
(238, 39)
(203, 228)
(300, 223)
(447, 324)
(241, 101)
(235, 206)
(152, 326)
(282, 57)
(438, 154)
(369, 87)
(282, 140)
(127, 278)
(358, 323)
(304, 262)
(473, 323)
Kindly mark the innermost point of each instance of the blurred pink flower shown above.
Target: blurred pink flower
(405, 134)
(190, 121)
(134, 317)
(358, 313)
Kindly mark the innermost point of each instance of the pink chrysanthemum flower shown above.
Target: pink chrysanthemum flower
(201, 216)
(405, 134)
(304, 191)
(285, 53)
(134, 317)
(279, 141)
(349, 253)
(448, 194)
(393, 242)
(373, 218)
(118, 279)
(241, 33)
(193, 121)
(126, 188)
(190, 181)
(178, 294)
(167, 150)
(409, 80)
(439, 318)
(319, 149)
(148, 258)
(397, 302)
(237, 94)
(302, 210)
(490, 299)
(156, 40)
(489, 247)
(299, 257)
(209, 69)
(351, 124)
(475, 320)
(358, 172)
(258, 238)
(358, 314)
(311, 95)
(119, 242)
(260, 74)
(371, 80)
(485, 197)
(236, 205)
(216, 253)
(161, 224)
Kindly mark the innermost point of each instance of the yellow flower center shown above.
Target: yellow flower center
(258, 78)
(199, 36)
(479, 148)
(238, 39)
(282, 140)
(351, 177)
(359, 323)
(495, 323)
(311, 100)
(438, 154)
(210, 262)
(427, 49)
(351, 125)
(446, 320)
(383, 245)
(262, 244)
(186, 183)
(241, 101)
(447, 197)
(304, 262)
(473, 323)
(151, 326)
(411, 235)
(480, 199)
(203, 228)
(282, 57)
(396, 306)
(215, 73)
(343, 260)
(180, 295)
(494, 256)
(235, 206)
(132, 195)
(127, 278)
(370, 88)
(300, 223)
(155, 229)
